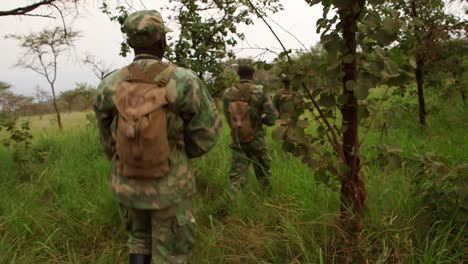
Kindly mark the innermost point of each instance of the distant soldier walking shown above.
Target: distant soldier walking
(153, 117)
(247, 108)
(284, 100)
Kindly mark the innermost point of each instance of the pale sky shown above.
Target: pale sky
(102, 38)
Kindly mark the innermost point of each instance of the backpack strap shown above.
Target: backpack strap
(134, 72)
(244, 93)
(166, 75)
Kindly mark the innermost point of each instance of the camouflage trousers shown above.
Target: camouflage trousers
(243, 155)
(167, 235)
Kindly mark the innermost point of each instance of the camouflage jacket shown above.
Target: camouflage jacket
(197, 120)
(286, 101)
(260, 103)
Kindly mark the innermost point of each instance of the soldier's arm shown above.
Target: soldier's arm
(269, 113)
(104, 110)
(202, 121)
(276, 101)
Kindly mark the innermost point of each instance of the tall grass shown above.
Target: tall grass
(65, 213)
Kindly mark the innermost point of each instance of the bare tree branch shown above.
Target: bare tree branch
(99, 69)
(21, 11)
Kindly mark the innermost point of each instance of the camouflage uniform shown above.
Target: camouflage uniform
(255, 151)
(160, 219)
(285, 102)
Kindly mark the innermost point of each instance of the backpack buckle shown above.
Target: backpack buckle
(162, 82)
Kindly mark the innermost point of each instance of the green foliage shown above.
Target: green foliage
(19, 137)
(440, 184)
(223, 80)
(320, 77)
(79, 98)
(207, 30)
(67, 200)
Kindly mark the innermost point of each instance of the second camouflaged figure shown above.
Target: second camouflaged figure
(153, 117)
(247, 108)
(285, 100)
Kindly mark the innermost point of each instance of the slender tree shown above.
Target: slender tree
(42, 51)
(427, 25)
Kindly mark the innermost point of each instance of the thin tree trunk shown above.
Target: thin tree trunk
(59, 120)
(420, 86)
(353, 193)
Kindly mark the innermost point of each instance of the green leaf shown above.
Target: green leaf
(372, 20)
(279, 132)
(391, 69)
(313, 2)
(363, 112)
(350, 85)
(412, 62)
(342, 99)
(284, 54)
(348, 58)
(327, 100)
(268, 66)
(361, 92)
(302, 123)
(390, 25)
(381, 53)
(376, 2)
(340, 3)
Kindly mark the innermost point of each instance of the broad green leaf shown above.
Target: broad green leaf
(361, 92)
(372, 21)
(384, 37)
(391, 69)
(350, 85)
(302, 123)
(390, 25)
(412, 61)
(279, 132)
(327, 100)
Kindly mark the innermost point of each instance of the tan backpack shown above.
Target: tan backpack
(242, 127)
(141, 137)
(286, 103)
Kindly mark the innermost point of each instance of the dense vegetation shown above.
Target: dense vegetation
(58, 208)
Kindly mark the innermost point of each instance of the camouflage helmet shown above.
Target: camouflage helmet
(144, 28)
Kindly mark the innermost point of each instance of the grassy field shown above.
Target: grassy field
(58, 207)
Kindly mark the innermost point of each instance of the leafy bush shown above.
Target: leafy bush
(19, 137)
(440, 185)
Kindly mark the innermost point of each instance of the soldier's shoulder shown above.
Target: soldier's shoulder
(283, 91)
(110, 79)
(257, 88)
(229, 91)
(183, 74)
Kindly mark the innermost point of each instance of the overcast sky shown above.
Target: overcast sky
(102, 38)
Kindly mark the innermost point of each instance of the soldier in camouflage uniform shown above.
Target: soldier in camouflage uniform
(160, 221)
(262, 112)
(284, 100)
